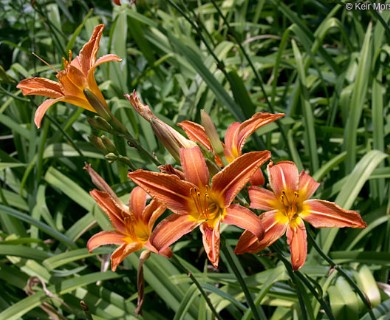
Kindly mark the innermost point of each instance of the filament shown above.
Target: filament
(45, 62)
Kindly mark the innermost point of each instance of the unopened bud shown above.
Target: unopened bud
(118, 126)
(172, 140)
(100, 183)
(99, 123)
(108, 144)
(169, 137)
(111, 157)
(212, 133)
(98, 105)
(142, 109)
(97, 142)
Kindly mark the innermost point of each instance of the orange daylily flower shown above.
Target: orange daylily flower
(288, 206)
(78, 75)
(235, 137)
(195, 201)
(132, 223)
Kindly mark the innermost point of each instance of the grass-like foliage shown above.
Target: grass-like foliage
(322, 65)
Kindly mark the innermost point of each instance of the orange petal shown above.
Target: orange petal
(104, 238)
(99, 182)
(261, 198)
(79, 102)
(247, 243)
(77, 78)
(70, 85)
(296, 238)
(257, 178)
(233, 177)
(244, 218)
(40, 112)
(167, 252)
(122, 252)
(40, 87)
(106, 58)
(169, 169)
(194, 166)
(110, 207)
(231, 142)
(307, 186)
(137, 202)
(211, 242)
(168, 189)
(251, 125)
(196, 133)
(171, 229)
(273, 230)
(329, 214)
(283, 176)
(87, 56)
(152, 212)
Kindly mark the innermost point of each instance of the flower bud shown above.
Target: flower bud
(212, 133)
(169, 137)
(118, 126)
(98, 105)
(111, 157)
(97, 142)
(101, 184)
(99, 123)
(108, 144)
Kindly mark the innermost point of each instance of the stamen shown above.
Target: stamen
(49, 65)
(290, 204)
(195, 194)
(129, 226)
(201, 201)
(206, 201)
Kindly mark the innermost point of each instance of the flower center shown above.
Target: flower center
(291, 206)
(206, 207)
(136, 230)
(141, 231)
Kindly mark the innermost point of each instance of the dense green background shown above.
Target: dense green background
(326, 67)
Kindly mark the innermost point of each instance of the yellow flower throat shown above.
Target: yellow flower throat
(136, 230)
(206, 206)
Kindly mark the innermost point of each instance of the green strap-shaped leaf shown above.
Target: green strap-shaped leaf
(40, 225)
(219, 91)
(17, 310)
(23, 252)
(350, 191)
(357, 100)
(69, 187)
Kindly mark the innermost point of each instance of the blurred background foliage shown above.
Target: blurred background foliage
(322, 65)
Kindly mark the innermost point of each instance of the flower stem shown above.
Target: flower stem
(178, 263)
(295, 275)
(322, 302)
(344, 274)
(134, 143)
(229, 259)
(294, 280)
